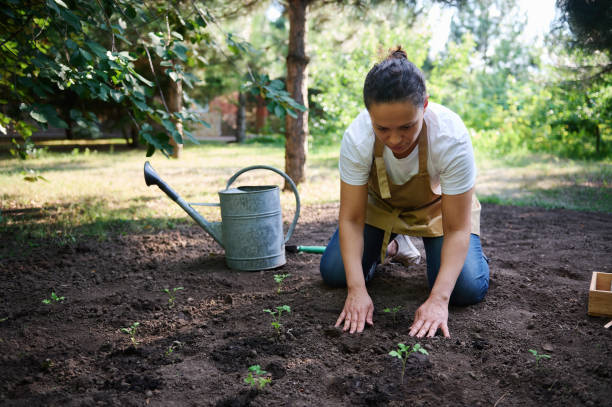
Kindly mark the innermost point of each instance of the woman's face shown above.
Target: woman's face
(397, 125)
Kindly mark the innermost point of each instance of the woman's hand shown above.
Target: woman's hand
(358, 309)
(430, 316)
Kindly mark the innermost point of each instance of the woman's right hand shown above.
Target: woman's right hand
(358, 309)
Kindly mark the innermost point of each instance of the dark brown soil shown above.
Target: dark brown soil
(197, 353)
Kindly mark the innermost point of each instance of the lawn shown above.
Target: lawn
(86, 192)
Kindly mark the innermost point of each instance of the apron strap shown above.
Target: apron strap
(423, 150)
(383, 182)
(381, 172)
(391, 220)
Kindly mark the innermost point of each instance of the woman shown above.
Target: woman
(407, 168)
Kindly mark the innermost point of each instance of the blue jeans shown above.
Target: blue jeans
(471, 286)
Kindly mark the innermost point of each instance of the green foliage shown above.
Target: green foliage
(278, 279)
(281, 102)
(402, 352)
(57, 54)
(171, 295)
(67, 64)
(22, 147)
(131, 331)
(54, 299)
(514, 96)
(256, 377)
(589, 22)
(482, 65)
(510, 100)
(63, 62)
(538, 356)
(341, 62)
(276, 317)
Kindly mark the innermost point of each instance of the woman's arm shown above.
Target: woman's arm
(358, 307)
(456, 221)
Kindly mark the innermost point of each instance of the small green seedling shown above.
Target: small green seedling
(276, 316)
(403, 352)
(176, 345)
(54, 298)
(257, 378)
(47, 364)
(279, 278)
(538, 356)
(132, 332)
(171, 295)
(393, 311)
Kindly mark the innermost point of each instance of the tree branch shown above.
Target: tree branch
(161, 93)
(219, 48)
(108, 25)
(586, 79)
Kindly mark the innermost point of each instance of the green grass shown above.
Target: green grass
(90, 193)
(546, 181)
(97, 193)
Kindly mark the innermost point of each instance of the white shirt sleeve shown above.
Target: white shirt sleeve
(356, 151)
(455, 156)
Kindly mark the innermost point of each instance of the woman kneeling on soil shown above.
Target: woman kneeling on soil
(407, 168)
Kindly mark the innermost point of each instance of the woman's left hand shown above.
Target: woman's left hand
(430, 317)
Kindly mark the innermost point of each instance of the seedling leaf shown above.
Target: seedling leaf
(402, 352)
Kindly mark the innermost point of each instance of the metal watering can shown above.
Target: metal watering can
(251, 227)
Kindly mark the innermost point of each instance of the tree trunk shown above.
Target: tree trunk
(175, 104)
(296, 148)
(134, 136)
(65, 115)
(241, 118)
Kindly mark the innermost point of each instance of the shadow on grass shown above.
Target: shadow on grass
(81, 165)
(92, 145)
(65, 224)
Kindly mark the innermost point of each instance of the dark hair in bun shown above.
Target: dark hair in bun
(395, 79)
(398, 53)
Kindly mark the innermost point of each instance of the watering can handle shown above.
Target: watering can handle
(287, 178)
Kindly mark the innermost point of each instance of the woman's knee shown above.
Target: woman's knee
(469, 295)
(473, 283)
(331, 277)
(332, 271)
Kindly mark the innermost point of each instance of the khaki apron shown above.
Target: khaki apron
(409, 209)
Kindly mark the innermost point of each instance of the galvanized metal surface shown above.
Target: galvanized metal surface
(252, 223)
(251, 227)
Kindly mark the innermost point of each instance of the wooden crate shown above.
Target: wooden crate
(600, 295)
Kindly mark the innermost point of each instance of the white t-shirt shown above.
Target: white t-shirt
(450, 161)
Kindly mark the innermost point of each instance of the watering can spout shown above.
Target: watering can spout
(213, 228)
(152, 178)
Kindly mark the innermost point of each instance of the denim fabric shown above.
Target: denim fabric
(471, 286)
